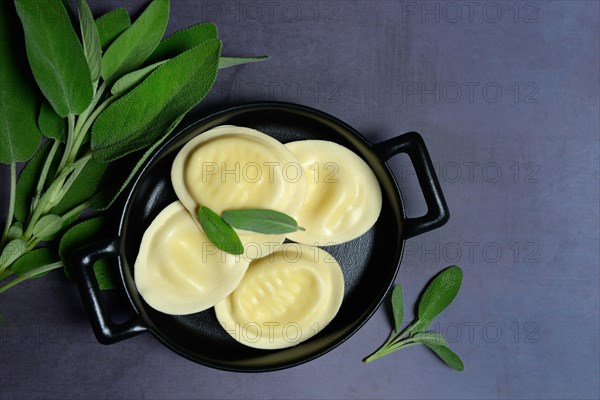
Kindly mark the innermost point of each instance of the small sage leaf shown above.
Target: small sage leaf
(12, 251)
(33, 260)
(91, 39)
(15, 231)
(47, 226)
(155, 106)
(182, 41)
(19, 134)
(134, 45)
(132, 79)
(433, 338)
(439, 294)
(447, 356)
(261, 221)
(56, 56)
(111, 25)
(219, 232)
(226, 62)
(81, 235)
(51, 124)
(397, 307)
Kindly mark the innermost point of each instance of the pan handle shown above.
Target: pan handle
(413, 145)
(82, 271)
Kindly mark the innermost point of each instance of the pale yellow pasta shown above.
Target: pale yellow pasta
(343, 197)
(230, 167)
(178, 270)
(284, 299)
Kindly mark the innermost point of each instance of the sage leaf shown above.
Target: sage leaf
(182, 41)
(397, 308)
(56, 56)
(433, 338)
(51, 124)
(226, 62)
(27, 182)
(81, 235)
(111, 25)
(134, 45)
(219, 232)
(90, 38)
(156, 105)
(261, 221)
(113, 187)
(12, 251)
(447, 356)
(19, 133)
(83, 188)
(439, 294)
(132, 79)
(33, 260)
(15, 231)
(47, 226)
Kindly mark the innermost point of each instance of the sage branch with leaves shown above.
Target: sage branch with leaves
(438, 295)
(98, 90)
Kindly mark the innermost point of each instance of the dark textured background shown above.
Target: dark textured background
(506, 95)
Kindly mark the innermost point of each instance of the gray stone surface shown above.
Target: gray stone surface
(506, 95)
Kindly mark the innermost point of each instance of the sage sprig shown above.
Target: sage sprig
(97, 90)
(440, 292)
(219, 229)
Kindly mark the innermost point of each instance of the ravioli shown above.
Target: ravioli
(343, 196)
(178, 270)
(230, 167)
(284, 298)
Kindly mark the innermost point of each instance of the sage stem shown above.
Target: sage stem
(75, 211)
(46, 197)
(84, 122)
(69, 146)
(44, 174)
(31, 274)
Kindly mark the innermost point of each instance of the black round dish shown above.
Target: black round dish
(369, 263)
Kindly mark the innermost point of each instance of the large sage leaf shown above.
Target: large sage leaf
(155, 106)
(113, 187)
(111, 25)
(182, 41)
(134, 45)
(91, 39)
(439, 294)
(226, 62)
(56, 56)
(132, 79)
(81, 235)
(19, 134)
(51, 124)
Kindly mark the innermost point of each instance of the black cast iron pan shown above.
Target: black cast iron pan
(369, 263)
